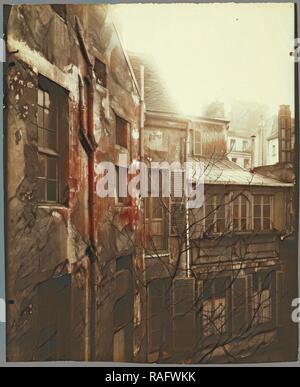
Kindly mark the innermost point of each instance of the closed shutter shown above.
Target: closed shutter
(280, 297)
(177, 206)
(159, 314)
(239, 311)
(249, 301)
(184, 314)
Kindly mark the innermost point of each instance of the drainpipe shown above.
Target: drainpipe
(187, 221)
(142, 109)
(252, 150)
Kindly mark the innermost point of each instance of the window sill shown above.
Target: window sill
(54, 206)
(157, 255)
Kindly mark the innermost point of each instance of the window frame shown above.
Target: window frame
(48, 87)
(196, 153)
(248, 198)
(262, 217)
(216, 206)
(119, 137)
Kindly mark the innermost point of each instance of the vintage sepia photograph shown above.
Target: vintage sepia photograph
(151, 182)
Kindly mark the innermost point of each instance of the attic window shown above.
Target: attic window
(61, 10)
(197, 143)
(100, 72)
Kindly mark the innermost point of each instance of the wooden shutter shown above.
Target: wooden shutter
(239, 310)
(184, 314)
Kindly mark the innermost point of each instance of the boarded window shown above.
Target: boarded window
(52, 124)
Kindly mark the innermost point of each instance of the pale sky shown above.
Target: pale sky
(211, 52)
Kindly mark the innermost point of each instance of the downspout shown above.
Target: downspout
(252, 150)
(142, 110)
(187, 221)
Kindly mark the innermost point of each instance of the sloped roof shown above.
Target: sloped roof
(157, 96)
(223, 171)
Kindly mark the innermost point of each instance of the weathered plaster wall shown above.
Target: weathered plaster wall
(48, 241)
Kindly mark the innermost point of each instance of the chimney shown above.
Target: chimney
(252, 150)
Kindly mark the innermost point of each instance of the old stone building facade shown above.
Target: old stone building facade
(74, 282)
(122, 279)
(219, 280)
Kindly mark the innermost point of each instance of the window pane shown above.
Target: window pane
(257, 211)
(236, 211)
(267, 224)
(198, 148)
(266, 211)
(40, 115)
(40, 137)
(257, 199)
(51, 139)
(46, 118)
(52, 168)
(267, 199)
(243, 223)
(157, 208)
(197, 136)
(51, 191)
(257, 225)
(244, 211)
(40, 97)
(47, 100)
(220, 225)
(41, 185)
(42, 161)
(235, 224)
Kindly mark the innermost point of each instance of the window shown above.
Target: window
(240, 213)
(262, 301)
(51, 123)
(215, 214)
(214, 312)
(121, 132)
(274, 150)
(100, 73)
(122, 197)
(197, 143)
(262, 212)
(183, 314)
(245, 146)
(60, 9)
(156, 224)
(234, 159)
(159, 308)
(232, 144)
(246, 163)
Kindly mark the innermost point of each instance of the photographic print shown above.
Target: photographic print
(151, 183)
